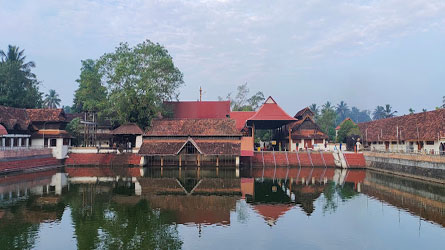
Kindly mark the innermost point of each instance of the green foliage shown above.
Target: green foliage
(138, 79)
(18, 85)
(91, 96)
(262, 135)
(52, 100)
(348, 128)
(327, 119)
(411, 111)
(242, 102)
(315, 109)
(74, 128)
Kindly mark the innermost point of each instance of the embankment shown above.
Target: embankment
(425, 167)
(111, 159)
(24, 159)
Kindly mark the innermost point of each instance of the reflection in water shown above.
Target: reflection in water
(116, 208)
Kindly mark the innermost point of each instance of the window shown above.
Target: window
(430, 143)
(66, 141)
(394, 142)
(53, 142)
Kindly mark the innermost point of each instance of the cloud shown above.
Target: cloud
(220, 42)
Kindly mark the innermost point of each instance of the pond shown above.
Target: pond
(210, 208)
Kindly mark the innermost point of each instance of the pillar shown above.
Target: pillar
(359, 187)
(3, 142)
(290, 141)
(217, 160)
(237, 166)
(198, 158)
(180, 160)
(313, 180)
(162, 161)
(27, 142)
(12, 142)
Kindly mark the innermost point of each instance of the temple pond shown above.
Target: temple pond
(209, 208)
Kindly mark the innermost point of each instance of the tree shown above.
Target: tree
(424, 110)
(242, 102)
(315, 109)
(74, 128)
(443, 102)
(358, 115)
(388, 111)
(411, 111)
(138, 80)
(52, 99)
(379, 113)
(348, 128)
(91, 96)
(327, 119)
(18, 85)
(342, 111)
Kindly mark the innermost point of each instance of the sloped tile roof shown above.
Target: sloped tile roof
(199, 110)
(10, 117)
(128, 129)
(42, 115)
(193, 127)
(241, 117)
(302, 112)
(270, 111)
(207, 147)
(425, 126)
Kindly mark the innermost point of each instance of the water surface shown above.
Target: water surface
(209, 208)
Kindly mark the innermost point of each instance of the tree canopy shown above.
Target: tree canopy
(347, 128)
(129, 84)
(91, 96)
(242, 101)
(18, 85)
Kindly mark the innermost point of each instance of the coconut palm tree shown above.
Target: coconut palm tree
(388, 111)
(379, 113)
(411, 110)
(342, 110)
(52, 99)
(16, 56)
(327, 105)
(315, 109)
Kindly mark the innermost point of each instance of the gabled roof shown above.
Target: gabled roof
(304, 112)
(174, 146)
(270, 111)
(193, 127)
(128, 129)
(46, 115)
(270, 116)
(425, 126)
(241, 117)
(272, 212)
(199, 110)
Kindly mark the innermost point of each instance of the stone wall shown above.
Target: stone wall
(426, 167)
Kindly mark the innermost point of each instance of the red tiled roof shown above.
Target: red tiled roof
(206, 147)
(302, 112)
(241, 117)
(3, 130)
(193, 127)
(128, 129)
(303, 132)
(426, 126)
(272, 212)
(199, 110)
(270, 111)
(42, 115)
(11, 117)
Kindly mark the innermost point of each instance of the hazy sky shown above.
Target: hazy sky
(366, 53)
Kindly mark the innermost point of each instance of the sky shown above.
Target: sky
(366, 53)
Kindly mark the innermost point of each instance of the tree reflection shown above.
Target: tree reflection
(102, 223)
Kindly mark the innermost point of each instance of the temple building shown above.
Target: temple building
(422, 132)
(38, 128)
(197, 142)
(305, 133)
